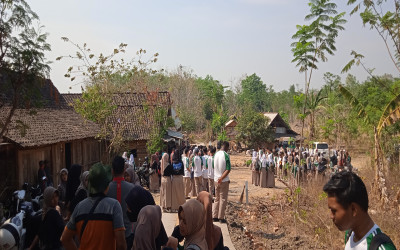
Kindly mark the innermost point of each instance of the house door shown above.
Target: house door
(68, 155)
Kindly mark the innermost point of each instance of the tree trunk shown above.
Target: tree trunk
(380, 180)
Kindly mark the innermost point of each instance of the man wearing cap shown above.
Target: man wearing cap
(97, 221)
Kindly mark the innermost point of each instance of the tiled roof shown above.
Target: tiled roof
(134, 113)
(52, 122)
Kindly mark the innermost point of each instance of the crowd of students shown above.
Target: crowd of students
(106, 208)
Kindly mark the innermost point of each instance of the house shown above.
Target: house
(53, 132)
(281, 128)
(230, 129)
(134, 117)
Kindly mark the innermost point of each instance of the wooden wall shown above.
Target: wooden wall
(140, 146)
(85, 152)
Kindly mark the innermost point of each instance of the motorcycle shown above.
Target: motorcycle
(24, 220)
(143, 174)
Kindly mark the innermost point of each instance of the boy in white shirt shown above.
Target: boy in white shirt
(348, 202)
(211, 153)
(222, 168)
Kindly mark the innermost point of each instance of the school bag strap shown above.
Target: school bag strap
(90, 214)
(378, 240)
(193, 247)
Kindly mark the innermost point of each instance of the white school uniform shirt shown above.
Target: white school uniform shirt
(205, 170)
(270, 159)
(198, 172)
(222, 162)
(186, 166)
(210, 162)
(264, 161)
(365, 242)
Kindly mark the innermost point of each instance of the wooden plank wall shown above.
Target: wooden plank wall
(28, 163)
(140, 146)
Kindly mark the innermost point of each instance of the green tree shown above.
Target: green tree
(22, 59)
(253, 128)
(254, 92)
(314, 42)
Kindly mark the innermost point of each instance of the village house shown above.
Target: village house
(281, 128)
(134, 118)
(53, 132)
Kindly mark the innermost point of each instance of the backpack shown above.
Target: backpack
(378, 240)
(257, 165)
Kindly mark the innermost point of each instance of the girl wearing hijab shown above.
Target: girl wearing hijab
(166, 187)
(263, 175)
(213, 234)
(137, 199)
(154, 179)
(178, 189)
(73, 182)
(52, 225)
(81, 193)
(191, 225)
(62, 188)
(131, 176)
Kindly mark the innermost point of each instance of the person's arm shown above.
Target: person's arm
(120, 239)
(227, 168)
(224, 175)
(67, 239)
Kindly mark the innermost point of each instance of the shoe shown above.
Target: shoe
(222, 221)
(215, 219)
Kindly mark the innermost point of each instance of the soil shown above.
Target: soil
(259, 225)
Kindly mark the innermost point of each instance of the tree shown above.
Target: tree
(316, 41)
(254, 93)
(253, 128)
(313, 105)
(22, 58)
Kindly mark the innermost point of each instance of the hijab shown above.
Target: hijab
(195, 219)
(134, 177)
(48, 195)
(63, 184)
(164, 162)
(138, 198)
(213, 232)
(154, 158)
(73, 181)
(83, 186)
(148, 227)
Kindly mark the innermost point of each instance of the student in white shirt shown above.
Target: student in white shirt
(187, 172)
(222, 168)
(211, 153)
(205, 169)
(348, 202)
(198, 171)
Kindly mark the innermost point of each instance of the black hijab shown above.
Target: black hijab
(73, 181)
(137, 199)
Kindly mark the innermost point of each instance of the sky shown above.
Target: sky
(227, 39)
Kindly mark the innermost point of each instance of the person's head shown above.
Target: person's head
(129, 173)
(99, 178)
(196, 151)
(118, 166)
(347, 199)
(186, 151)
(213, 150)
(136, 199)
(191, 217)
(64, 175)
(41, 164)
(219, 145)
(50, 197)
(225, 146)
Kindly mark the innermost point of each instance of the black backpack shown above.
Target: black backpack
(378, 240)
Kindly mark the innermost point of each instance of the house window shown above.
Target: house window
(280, 130)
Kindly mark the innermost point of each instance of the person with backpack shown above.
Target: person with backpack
(348, 202)
(177, 187)
(96, 216)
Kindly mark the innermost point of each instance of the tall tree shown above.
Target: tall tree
(254, 92)
(314, 42)
(22, 58)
